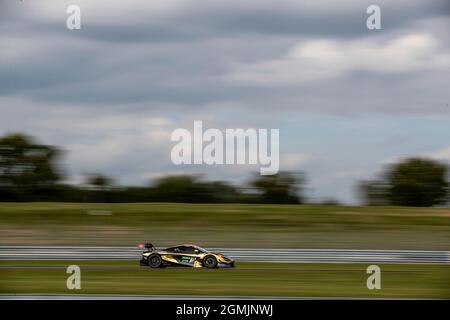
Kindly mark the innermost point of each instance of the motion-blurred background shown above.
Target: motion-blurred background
(86, 117)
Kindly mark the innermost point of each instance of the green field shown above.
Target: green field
(225, 225)
(248, 279)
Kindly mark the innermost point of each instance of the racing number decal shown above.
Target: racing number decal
(185, 259)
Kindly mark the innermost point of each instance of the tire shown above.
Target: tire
(154, 261)
(209, 262)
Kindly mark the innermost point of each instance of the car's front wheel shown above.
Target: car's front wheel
(210, 262)
(154, 261)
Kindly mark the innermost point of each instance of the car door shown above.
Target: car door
(184, 255)
(188, 255)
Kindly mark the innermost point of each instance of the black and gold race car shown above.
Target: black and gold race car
(187, 255)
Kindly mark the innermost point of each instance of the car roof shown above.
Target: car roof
(188, 245)
(183, 245)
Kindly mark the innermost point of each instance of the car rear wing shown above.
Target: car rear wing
(148, 246)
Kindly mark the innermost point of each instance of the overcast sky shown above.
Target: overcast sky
(347, 100)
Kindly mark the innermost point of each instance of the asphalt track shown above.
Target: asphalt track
(167, 297)
(138, 297)
(239, 254)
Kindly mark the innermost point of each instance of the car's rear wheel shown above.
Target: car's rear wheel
(154, 261)
(210, 262)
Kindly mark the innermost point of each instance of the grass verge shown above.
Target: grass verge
(248, 279)
(225, 225)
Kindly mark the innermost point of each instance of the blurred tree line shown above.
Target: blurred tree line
(30, 171)
(412, 182)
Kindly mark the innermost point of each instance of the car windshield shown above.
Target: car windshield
(201, 249)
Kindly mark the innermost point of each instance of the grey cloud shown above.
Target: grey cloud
(180, 56)
(187, 21)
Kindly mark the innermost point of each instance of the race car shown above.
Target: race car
(186, 255)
